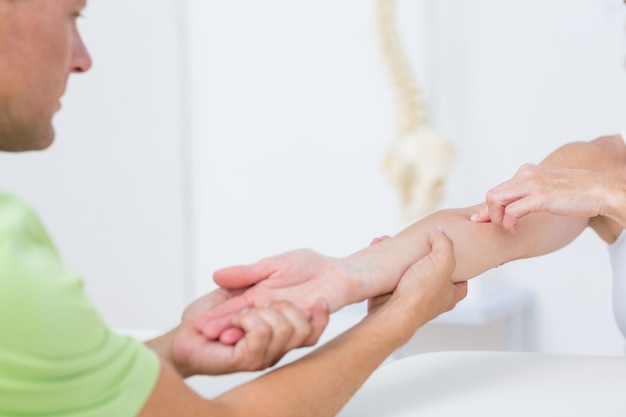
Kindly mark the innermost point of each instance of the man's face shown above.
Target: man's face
(39, 47)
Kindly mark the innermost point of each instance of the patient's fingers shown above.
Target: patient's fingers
(213, 323)
(231, 335)
(241, 276)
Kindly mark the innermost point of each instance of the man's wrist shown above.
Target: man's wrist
(162, 346)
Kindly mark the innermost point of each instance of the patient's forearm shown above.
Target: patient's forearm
(478, 247)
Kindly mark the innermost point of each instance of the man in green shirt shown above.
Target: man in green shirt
(56, 355)
(59, 359)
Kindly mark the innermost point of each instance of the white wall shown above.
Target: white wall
(286, 136)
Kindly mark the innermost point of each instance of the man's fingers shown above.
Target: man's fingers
(269, 332)
(294, 328)
(460, 289)
(442, 247)
(251, 349)
(319, 320)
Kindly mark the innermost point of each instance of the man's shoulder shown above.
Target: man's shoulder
(10, 201)
(13, 209)
(18, 220)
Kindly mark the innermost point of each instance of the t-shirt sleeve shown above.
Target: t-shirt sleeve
(57, 356)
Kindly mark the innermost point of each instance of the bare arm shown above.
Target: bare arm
(482, 246)
(478, 247)
(319, 384)
(300, 275)
(376, 269)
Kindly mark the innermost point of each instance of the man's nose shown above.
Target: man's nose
(81, 60)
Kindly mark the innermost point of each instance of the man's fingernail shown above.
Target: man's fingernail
(474, 217)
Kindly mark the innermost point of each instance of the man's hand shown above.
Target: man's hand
(301, 276)
(264, 333)
(424, 291)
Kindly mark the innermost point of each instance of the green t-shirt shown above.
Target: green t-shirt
(57, 357)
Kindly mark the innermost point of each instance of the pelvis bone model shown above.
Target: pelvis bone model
(419, 161)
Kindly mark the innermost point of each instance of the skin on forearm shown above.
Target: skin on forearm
(478, 247)
(322, 382)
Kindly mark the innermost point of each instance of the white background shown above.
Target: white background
(211, 133)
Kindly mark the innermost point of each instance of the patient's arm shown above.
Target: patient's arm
(305, 276)
(479, 247)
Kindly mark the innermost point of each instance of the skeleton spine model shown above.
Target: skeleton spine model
(418, 162)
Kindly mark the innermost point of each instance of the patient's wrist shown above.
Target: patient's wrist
(371, 274)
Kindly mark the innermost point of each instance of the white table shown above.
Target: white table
(485, 384)
(513, 302)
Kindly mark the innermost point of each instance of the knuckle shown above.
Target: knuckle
(301, 333)
(263, 331)
(311, 340)
(285, 329)
(253, 366)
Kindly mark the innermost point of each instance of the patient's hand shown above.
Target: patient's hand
(302, 277)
